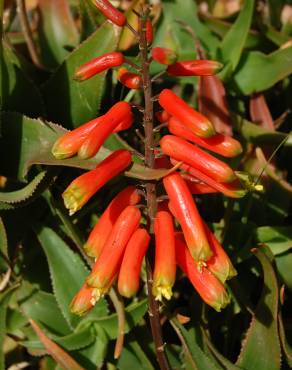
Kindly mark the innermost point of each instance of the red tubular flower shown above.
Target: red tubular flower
(212, 103)
(200, 188)
(192, 119)
(83, 301)
(188, 216)
(182, 150)
(68, 144)
(85, 186)
(109, 261)
(162, 116)
(219, 264)
(119, 113)
(164, 270)
(162, 162)
(210, 289)
(125, 124)
(232, 189)
(194, 68)
(104, 225)
(129, 275)
(97, 65)
(149, 32)
(219, 143)
(163, 55)
(129, 79)
(110, 12)
(163, 206)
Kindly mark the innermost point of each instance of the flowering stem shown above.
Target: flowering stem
(150, 187)
(28, 33)
(120, 310)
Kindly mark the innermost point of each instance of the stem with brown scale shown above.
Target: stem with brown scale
(150, 187)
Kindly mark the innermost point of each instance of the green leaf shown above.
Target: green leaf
(73, 103)
(274, 12)
(284, 263)
(258, 72)
(133, 357)
(4, 300)
(258, 135)
(88, 19)
(95, 352)
(235, 39)
(134, 312)
(169, 31)
(287, 349)
(77, 340)
(3, 247)
(68, 273)
(27, 141)
(42, 307)
(35, 139)
(23, 140)
(57, 31)
(277, 37)
(29, 192)
(227, 365)
(198, 360)
(221, 27)
(59, 355)
(15, 321)
(17, 91)
(262, 336)
(278, 238)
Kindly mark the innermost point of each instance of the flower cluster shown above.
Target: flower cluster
(118, 243)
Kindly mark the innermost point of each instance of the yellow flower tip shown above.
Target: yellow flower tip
(60, 155)
(161, 291)
(238, 150)
(90, 250)
(58, 152)
(79, 307)
(209, 130)
(222, 301)
(202, 255)
(259, 188)
(232, 273)
(98, 293)
(218, 67)
(247, 181)
(83, 153)
(226, 274)
(72, 199)
(127, 292)
(240, 193)
(200, 265)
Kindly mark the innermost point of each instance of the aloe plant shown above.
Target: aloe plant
(43, 262)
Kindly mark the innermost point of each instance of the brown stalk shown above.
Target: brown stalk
(27, 32)
(150, 187)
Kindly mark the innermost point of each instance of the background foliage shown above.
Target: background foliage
(40, 264)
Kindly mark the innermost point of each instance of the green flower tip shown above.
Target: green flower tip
(222, 301)
(73, 197)
(59, 152)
